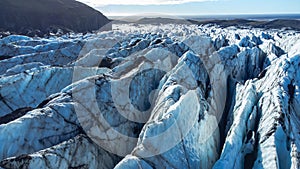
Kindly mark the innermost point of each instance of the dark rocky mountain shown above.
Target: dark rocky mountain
(43, 16)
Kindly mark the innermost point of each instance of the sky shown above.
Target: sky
(194, 7)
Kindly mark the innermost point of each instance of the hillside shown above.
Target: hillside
(43, 16)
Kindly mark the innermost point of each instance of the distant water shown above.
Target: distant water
(249, 17)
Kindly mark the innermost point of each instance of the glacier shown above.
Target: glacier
(151, 96)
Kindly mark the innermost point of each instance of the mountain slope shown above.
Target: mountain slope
(22, 16)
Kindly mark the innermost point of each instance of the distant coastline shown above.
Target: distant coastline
(264, 21)
(260, 17)
(264, 17)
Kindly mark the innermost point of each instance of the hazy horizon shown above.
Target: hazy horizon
(212, 16)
